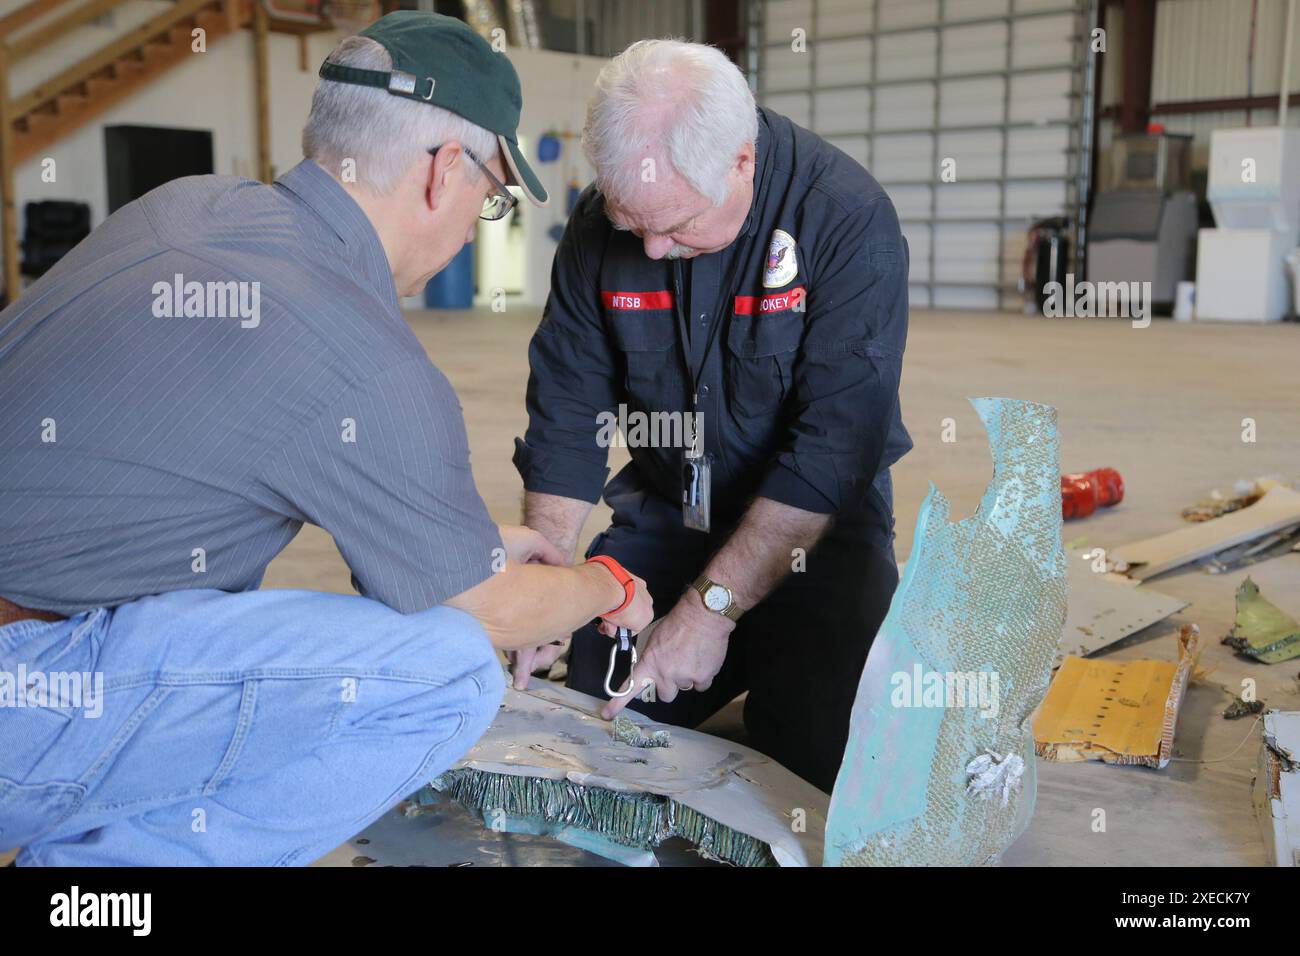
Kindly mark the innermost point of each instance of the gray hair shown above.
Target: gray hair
(668, 100)
(383, 134)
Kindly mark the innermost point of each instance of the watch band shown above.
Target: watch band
(732, 611)
(623, 578)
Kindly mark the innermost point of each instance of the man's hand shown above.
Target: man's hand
(635, 617)
(528, 659)
(526, 546)
(685, 651)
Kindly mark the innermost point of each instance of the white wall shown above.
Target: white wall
(556, 87)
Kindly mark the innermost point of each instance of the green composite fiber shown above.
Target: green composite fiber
(635, 819)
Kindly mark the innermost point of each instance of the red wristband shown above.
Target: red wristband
(623, 578)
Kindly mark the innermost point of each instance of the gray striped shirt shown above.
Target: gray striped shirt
(216, 364)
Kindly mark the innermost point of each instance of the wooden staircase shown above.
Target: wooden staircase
(34, 120)
(64, 102)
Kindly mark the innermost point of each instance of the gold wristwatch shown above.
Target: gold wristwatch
(717, 598)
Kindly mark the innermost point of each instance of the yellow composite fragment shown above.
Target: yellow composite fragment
(1116, 711)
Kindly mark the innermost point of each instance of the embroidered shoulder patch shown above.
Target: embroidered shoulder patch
(781, 266)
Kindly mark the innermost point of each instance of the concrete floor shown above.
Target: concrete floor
(1163, 404)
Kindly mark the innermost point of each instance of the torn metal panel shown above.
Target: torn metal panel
(1121, 712)
(550, 758)
(1278, 509)
(1262, 630)
(1105, 608)
(1277, 787)
(982, 600)
(1244, 494)
(629, 733)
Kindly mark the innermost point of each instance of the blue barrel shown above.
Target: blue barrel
(453, 287)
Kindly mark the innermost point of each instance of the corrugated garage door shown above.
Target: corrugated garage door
(903, 85)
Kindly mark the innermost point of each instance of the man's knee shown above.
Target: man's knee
(472, 679)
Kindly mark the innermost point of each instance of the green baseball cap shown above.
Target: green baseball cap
(441, 60)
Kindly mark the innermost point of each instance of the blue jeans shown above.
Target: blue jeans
(250, 729)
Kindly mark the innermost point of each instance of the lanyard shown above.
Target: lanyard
(683, 323)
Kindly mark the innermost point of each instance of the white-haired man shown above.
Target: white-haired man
(736, 273)
(220, 362)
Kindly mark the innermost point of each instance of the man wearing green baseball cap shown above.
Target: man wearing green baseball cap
(390, 95)
(217, 364)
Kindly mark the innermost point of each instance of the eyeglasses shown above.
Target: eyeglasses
(500, 201)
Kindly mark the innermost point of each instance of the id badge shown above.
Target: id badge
(697, 483)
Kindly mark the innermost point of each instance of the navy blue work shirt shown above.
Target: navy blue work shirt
(807, 310)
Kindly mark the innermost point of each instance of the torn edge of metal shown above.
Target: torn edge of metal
(636, 819)
(983, 595)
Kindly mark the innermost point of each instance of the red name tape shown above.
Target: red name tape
(637, 301)
(775, 302)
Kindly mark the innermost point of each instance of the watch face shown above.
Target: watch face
(716, 598)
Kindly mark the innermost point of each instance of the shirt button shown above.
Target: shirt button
(704, 390)
(704, 317)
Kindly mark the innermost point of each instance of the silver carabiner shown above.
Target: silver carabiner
(622, 642)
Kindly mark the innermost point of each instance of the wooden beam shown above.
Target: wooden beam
(26, 14)
(38, 39)
(1139, 51)
(262, 76)
(8, 202)
(128, 42)
(1222, 105)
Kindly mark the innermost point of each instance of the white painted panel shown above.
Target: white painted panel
(905, 159)
(955, 10)
(842, 61)
(1039, 152)
(973, 259)
(906, 56)
(1035, 199)
(842, 111)
(978, 155)
(1045, 41)
(918, 251)
(907, 13)
(965, 298)
(1040, 97)
(1041, 6)
(782, 16)
(905, 107)
(971, 102)
(783, 69)
(838, 17)
(795, 106)
(967, 200)
(1202, 49)
(855, 146)
(910, 202)
(974, 49)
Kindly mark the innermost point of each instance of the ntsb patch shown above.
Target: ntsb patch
(781, 266)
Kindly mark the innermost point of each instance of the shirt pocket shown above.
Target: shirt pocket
(760, 364)
(648, 342)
